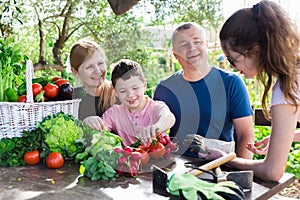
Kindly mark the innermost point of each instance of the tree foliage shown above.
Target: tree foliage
(61, 19)
(11, 14)
(55, 25)
(207, 13)
(50, 27)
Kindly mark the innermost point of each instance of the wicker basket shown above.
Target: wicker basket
(17, 117)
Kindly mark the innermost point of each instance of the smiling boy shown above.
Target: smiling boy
(138, 115)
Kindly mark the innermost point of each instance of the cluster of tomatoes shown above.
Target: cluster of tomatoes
(130, 158)
(45, 93)
(161, 147)
(54, 160)
(169, 145)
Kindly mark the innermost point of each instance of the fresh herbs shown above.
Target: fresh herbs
(12, 66)
(102, 165)
(13, 149)
(99, 160)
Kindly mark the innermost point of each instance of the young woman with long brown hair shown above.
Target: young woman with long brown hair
(263, 41)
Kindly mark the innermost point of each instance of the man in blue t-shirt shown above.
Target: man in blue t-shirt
(205, 100)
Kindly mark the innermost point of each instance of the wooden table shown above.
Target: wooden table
(39, 182)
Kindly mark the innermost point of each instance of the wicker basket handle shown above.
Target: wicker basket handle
(29, 76)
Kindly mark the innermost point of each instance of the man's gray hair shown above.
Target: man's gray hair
(186, 26)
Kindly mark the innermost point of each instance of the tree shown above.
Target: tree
(207, 13)
(54, 17)
(60, 23)
(10, 15)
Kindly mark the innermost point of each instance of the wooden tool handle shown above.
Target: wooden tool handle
(213, 164)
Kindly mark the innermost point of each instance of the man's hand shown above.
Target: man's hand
(211, 154)
(199, 144)
(195, 143)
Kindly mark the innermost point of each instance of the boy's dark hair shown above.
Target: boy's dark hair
(125, 69)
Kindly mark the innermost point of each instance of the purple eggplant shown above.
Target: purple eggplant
(65, 92)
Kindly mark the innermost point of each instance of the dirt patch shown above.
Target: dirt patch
(293, 191)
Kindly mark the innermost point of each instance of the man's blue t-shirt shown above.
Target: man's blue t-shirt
(205, 107)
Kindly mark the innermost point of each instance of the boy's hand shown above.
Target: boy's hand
(95, 122)
(148, 134)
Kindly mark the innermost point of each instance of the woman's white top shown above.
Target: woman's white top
(278, 97)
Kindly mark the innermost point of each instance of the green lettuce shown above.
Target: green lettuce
(104, 140)
(63, 134)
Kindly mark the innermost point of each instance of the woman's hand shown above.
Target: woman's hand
(95, 122)
(260, 147)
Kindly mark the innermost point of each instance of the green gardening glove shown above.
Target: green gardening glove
(191, 186)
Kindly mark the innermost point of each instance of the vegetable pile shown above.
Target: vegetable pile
(13, 149)
(133, 158)
(106, 159)
(43, 89)
(161, 147)
(61, 137)
(99, 160)
(129, 161)
(60, 133)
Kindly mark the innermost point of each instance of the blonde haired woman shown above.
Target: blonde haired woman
(88, 63)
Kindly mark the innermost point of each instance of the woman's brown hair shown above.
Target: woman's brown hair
(266, 25)
(80, 52)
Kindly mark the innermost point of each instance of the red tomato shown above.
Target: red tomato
(61, 81)
(32, 157)
(51, 90)
(55, 78)
(55, 160)
(157, 150)
(22, 98)
(36, 89)
(145, 156)
(46, 99)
